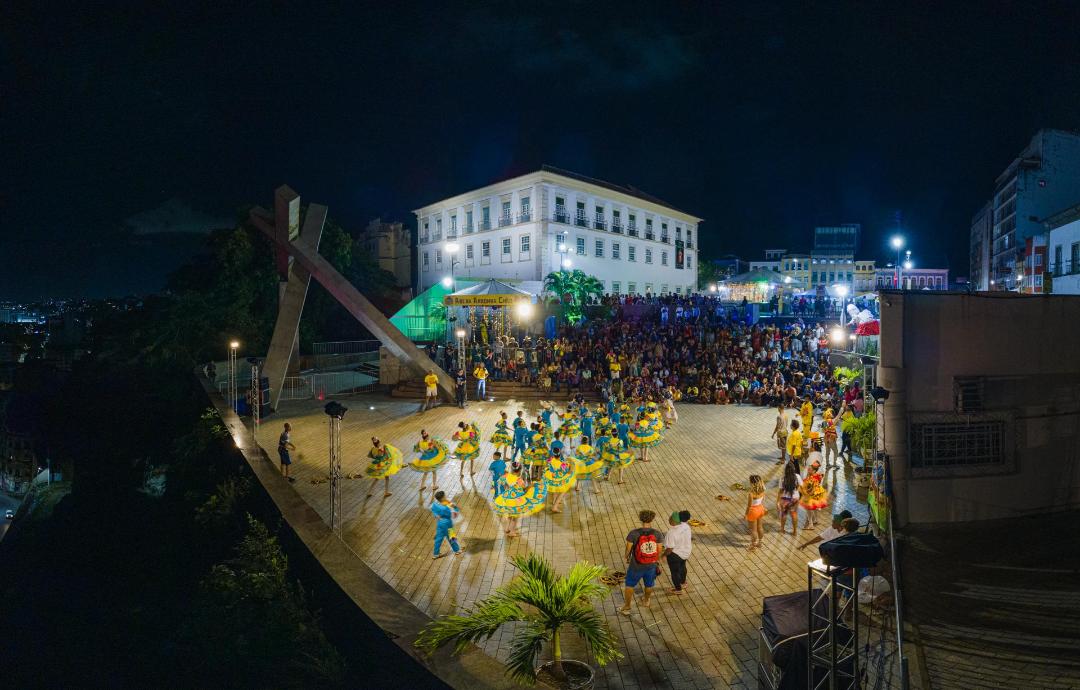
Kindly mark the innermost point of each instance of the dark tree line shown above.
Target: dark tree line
(110, 583)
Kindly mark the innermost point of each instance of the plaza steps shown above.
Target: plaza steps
(500, 390)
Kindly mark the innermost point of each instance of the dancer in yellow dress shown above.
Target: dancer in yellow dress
(536, 455)
(569, 428)
(588, 464)
(560, 475)
(503, 438)
(385, 462)
(644, 435)
(432, 453)
(614, 454)
(468, 447)
(515, 498)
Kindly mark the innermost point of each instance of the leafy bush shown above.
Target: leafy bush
(846, 376)
(863, 433)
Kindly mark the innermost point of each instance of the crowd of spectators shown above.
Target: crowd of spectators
(691, 348)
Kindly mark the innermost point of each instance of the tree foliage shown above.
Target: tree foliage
(252, 627)
(570, 291)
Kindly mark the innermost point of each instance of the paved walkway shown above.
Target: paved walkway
(704, 639)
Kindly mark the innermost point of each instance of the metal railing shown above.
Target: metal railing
(321, 386)
(616, 227)
(599, 223)
(581, 221)
(505, 220)
(340, 353)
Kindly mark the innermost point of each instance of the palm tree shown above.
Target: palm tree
(572, 289)
(543, 601)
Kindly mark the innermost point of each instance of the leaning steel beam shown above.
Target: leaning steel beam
(290, 305)
(308, 260)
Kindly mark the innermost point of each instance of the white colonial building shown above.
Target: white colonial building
(523, 228)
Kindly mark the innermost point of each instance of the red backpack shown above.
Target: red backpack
(647, 549)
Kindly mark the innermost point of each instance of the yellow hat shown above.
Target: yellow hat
(828, 413)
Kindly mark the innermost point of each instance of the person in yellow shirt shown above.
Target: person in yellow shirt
(807, 414)
(846, 415)
(795, 448)
(431, 393)
(480, 373)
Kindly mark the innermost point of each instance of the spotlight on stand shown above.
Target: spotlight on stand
(335, 409)
(879, 394)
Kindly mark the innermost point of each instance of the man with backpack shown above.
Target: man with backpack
(644, 547)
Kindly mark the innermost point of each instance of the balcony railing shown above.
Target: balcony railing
(616, 226)
(665, 239)
(649, 235)
(599, 223)
(581, 221)
(506, 220)
(561, 216)
(468, 228)
(631, 230)
(525, 216)
(1066, 268)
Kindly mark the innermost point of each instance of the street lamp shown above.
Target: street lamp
(452, 248)
(567, 263)
(898, 244)
(563, 249)
(460, 333)
(234, 345)
(448, 282)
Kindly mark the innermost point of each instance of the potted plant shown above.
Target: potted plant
(545, 603)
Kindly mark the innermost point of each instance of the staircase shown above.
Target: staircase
(500, 390)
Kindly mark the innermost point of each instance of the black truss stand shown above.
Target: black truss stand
(834, 643)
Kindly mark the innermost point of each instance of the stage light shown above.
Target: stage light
(712, 287)
(460, 332)
(524, 309)
(841, 290)
(335, 409)
(837, 335)
(234, 344)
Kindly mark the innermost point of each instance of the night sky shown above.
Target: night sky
(126, 131)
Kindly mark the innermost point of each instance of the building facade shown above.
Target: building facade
(1042, 180)
(526, 227)
(865, 277)
(390, 245)
(1063, 251)
(982, 231)
(913, 278)
(1031, 281)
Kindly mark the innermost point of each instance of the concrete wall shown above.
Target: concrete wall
(1026, 350)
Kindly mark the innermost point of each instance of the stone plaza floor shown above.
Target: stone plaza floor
(705, 638)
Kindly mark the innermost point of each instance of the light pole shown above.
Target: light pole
(336, 412)
(898, 244)
(256, 399)
(452, 248)
(841, 292)
(233, 347)
(562, 249)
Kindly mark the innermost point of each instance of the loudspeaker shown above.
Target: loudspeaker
(856, 550)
